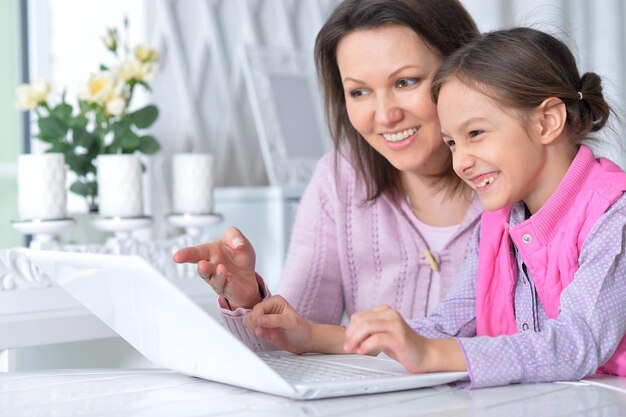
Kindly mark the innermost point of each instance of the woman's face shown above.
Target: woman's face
(386, 74)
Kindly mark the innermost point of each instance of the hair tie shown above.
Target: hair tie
(580, 95)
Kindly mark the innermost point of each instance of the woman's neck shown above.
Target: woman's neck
(431, 201)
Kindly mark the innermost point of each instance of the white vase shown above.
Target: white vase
(192, 183)
(119, 186)
(41, 186)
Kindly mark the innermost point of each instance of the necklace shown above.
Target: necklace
(427, 253)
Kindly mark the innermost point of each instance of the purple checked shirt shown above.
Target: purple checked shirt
(591, 323)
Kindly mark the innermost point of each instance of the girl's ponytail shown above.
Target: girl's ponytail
(592, 111)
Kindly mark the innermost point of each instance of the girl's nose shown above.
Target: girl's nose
(388, 112)
(462, 161)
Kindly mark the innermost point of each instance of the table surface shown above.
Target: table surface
(159, 392)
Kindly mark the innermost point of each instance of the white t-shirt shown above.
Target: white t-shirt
(436, 238)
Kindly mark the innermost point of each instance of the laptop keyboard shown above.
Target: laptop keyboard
(300, 369)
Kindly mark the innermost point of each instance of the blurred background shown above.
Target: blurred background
(231, 80)
(200, 84)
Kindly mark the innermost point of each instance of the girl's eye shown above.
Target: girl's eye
(475, 133)
(357, 93)
(406, 82)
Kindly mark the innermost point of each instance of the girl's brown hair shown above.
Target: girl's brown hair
(443, 24)
(520, 68)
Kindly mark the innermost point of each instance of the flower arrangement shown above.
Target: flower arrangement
(102, 122)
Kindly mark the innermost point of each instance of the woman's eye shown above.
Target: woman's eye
(406, 82)
(357, 93)
(450, 143)
(475, 133)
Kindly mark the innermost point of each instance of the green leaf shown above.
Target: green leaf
(80, 188)
(149, 145)
(59, 147)
(78, 163)
(83, 138)
(79, 121)
(48, 139)
(130, 142)
(52, 126)
(143, 118)
(121, 126)
(64, 112)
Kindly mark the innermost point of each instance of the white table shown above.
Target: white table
(156, 392)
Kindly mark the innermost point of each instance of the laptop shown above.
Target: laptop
(171, 330)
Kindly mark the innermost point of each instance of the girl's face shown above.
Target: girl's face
(386, 74)
(494, 151)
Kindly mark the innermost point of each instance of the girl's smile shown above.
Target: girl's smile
(484, 182)
(498, 153)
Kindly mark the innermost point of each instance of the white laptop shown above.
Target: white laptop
(171, 330)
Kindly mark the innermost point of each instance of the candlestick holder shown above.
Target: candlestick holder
(121, 227)
(44, 232)
(194, 223)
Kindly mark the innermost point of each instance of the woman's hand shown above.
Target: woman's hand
(275, 320)
(382, 329)
(227, 265)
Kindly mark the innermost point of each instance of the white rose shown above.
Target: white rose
(146, 54)
(28, 96)
(40, 89)
(115, 106)
(99, 88)
(132, 69)
(110, 40)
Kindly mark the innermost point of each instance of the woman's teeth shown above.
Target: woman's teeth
(396, 137)
(486, 181)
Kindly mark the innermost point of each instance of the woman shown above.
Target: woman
(384, 219)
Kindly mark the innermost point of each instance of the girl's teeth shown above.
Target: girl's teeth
(485, 182)
(396, 137)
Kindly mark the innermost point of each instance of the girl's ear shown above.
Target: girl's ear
(552, 119)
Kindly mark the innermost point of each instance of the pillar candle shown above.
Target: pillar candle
(119, 186)
(41, 186)
(192, 183)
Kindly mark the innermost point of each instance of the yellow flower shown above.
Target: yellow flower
(132, 69)
(28, 96)
(146, 54)
(99, 88)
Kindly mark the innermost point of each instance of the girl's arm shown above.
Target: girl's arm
(428, 344)
(584, 336)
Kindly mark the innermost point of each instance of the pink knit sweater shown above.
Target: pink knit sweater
(347, 256)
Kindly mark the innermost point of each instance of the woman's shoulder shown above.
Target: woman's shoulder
(336, 182)
(334, 171)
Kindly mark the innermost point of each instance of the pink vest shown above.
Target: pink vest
(549, 243)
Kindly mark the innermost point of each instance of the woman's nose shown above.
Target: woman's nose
(388, 112)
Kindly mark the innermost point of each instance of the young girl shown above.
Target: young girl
(542, 295)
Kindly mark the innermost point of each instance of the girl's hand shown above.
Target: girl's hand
(383, 329)
(275, 320)
(227, 265)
